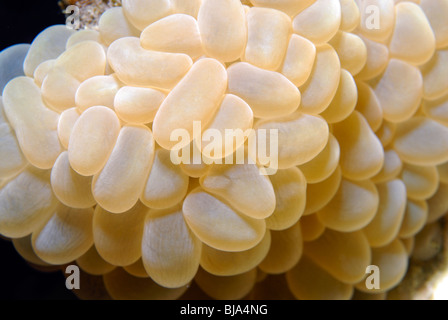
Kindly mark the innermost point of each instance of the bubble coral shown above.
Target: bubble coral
(361, 114)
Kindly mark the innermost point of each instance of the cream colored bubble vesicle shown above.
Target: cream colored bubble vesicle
(92, 140)
(71, 188)
(172, 263)
(66, 236)
(269, 93)
(222, 25)
(268, 35)
(167, 184)
(215, 223)
(121, 147)
(38, 139)
(136, 66)
(175, 33)
(117, 187)
(97, 91)
(243, 187)
(122, 246)
(195, 98)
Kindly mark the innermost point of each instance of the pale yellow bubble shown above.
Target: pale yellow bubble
(177, 33)
(38, 139)
(305, 287)
(319, 194)
(118, 186)
(414, 219)
(66, 236)
(290, 198)
(233, 121)
(391, 167)
(319, 22)
(12, 160)
(137, 269)
(71, 188)
(343, 255)
(243, 187)
(26, 202)
(299, 60)
(324, 164)
(59, 90)
(137, 105)
(412, 137)
(436, 12)
(195, 167)
(413, 39)
(167, 184)
(437, 109)
(113, 25)
(218, 225)
(351, 50)
(136, 66)
(421, 181)
(118, 237)
(285, 251)
(290, 7)
(42, 71)
(350, 15)
(369, 106)
(377, 59)
(362, 154)
(170, 251)
(386, 133)
(223, 29)
(392, 261)
(268, 37)
(435, 81)
(322, 84)
(311, 131)
(92, 140)
(186, 7)
(66, 122)
(92, 263)
(270, 94)
(353, 206)
(377, 19)
(224, 263)
(399, 91)
(142, 13)
(80, 36)
(384, 227)
(196, 98)
(344, 101)
(97, 91)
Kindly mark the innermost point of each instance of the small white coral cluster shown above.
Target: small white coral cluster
(361, 114)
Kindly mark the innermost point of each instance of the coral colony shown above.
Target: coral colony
(226, 143)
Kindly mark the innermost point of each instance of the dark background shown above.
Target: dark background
(21, 22)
